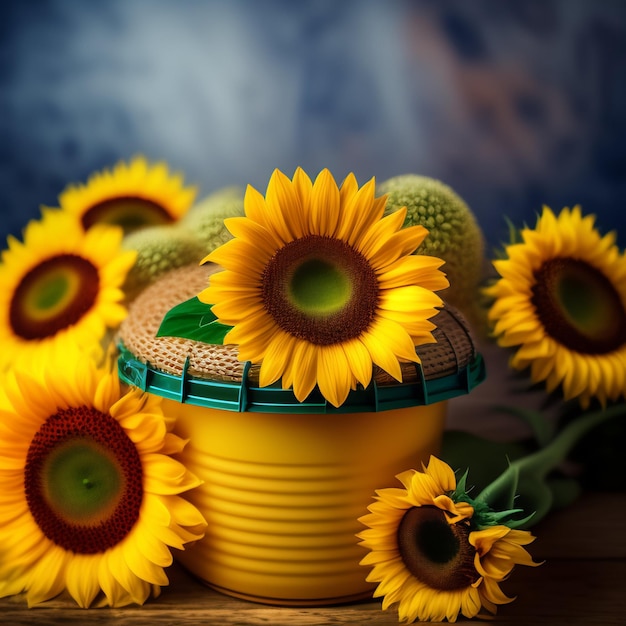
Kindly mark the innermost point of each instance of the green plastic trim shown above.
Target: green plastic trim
(232, 396)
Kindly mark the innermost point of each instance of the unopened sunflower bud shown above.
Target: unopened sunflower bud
(159, 250)
(206, 219)
(454, 234)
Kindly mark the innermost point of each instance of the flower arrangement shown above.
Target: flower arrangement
(317, 292)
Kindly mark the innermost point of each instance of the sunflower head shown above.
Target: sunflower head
(90, 494)
(560, 301)
(60, 283)
(319, 287)
(429, 554)
(131, 195)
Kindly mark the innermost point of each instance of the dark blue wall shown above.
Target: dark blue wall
(514, 103)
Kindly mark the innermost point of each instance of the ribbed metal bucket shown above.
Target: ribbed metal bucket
(286, 481)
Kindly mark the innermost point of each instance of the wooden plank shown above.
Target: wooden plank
(560, 593)
(581, 582)
(594, 527)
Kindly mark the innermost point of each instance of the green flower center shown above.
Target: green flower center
(129, 212)
(437, 553)
(83, 480)
(579, 306)
(53, 295)
(318, 287)
(321, 290)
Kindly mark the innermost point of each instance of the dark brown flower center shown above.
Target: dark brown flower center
(437, 553)
(54, 295)
(83, 480)
(321, 290)
(129, 212)
(579, 307)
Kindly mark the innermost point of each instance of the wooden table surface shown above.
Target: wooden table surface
(583, 579)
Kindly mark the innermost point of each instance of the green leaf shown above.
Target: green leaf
(194, 320)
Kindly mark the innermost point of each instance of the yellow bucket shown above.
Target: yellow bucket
(282, 494)
(286, 481)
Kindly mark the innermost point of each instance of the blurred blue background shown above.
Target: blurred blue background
(514, 103)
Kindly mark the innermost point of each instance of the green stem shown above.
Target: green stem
(541, 462)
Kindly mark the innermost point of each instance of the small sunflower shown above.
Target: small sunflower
(429, 557)
(561, 301)
(89, 496)
(131, 195)
(61, 283)
(319, 287)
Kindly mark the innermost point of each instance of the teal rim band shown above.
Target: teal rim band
(235, 396)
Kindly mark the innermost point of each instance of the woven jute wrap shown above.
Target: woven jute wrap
(453, 350)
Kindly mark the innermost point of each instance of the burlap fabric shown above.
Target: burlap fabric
(453, 350)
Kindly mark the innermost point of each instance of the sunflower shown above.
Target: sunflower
(89, 498)
(60, 283)
(428, 557)
(319, 287)
(561, 301)
(132, 195)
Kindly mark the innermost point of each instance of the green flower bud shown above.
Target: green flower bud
(454, 234)
(205, 220)
(159, 250)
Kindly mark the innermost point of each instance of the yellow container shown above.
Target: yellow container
(286, 481)
(282, 494)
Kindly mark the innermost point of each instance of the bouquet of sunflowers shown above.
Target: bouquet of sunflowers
(322, 286)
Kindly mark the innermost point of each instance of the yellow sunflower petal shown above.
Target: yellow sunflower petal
(404, 242)
(276, 215)
(47, 578)
(153, 549)
(255, 208)
(379, 234)
(334, 375)
(123, 576)
(360, 211)
(324, 205)
(115, 593)
(277, 353)
(143, 568)
(82, 579)
(251, 231)
(386, 342)
(236, 254)
(418, 269)
(302, 370)
(303, 187)
(359, 361)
